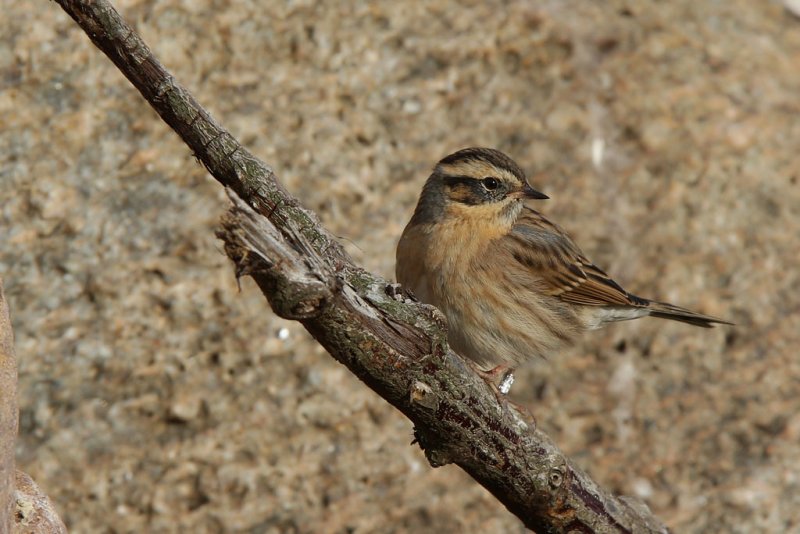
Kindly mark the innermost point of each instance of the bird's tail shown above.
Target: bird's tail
(664, 310)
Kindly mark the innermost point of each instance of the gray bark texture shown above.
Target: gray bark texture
(395, 345)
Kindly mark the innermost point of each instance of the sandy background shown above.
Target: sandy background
(156, 397)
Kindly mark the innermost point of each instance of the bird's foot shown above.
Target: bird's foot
(500, 379)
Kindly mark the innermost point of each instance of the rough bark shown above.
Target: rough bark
(394, 344)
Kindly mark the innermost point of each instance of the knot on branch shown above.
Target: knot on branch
(423, 395)
(437, 452)
(298, 285)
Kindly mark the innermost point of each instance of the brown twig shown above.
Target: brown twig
(395, 345)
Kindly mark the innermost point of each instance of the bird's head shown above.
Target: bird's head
(475, 184)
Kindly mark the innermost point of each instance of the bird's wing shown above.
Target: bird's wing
(557, 267)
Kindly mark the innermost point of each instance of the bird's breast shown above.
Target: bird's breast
(432, 257)
(453, 250)
(494, 314)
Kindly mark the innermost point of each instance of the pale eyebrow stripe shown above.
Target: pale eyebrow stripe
(476, 167)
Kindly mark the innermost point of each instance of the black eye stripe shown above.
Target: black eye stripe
(456, 180)
(472, 191)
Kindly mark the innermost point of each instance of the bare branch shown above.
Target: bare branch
(395, 345)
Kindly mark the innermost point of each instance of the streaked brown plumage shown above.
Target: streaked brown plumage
(512, 284)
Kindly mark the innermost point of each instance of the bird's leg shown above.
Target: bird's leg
(500, 379)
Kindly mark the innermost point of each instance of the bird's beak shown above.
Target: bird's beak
(528, 192)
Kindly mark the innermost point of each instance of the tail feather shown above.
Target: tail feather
(664, 310)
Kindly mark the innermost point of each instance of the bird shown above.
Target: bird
(512, 285)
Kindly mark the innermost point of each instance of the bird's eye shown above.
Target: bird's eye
(490, 183)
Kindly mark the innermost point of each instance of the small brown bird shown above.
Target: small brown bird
(512, 284)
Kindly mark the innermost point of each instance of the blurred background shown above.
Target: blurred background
(155, 396)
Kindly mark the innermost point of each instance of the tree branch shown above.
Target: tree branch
(396, 345)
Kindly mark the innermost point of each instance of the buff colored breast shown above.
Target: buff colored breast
(490, 323)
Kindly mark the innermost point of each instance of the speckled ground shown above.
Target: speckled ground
(157, 397)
